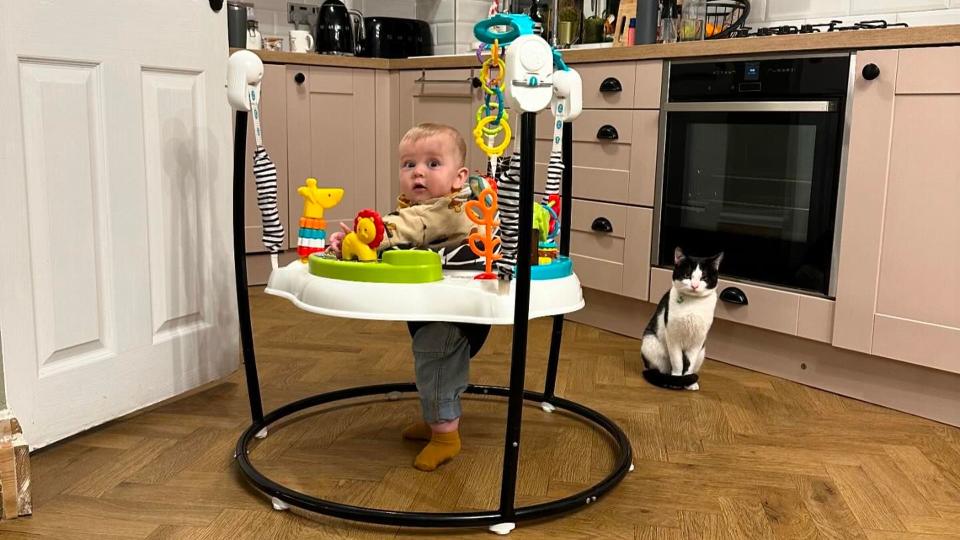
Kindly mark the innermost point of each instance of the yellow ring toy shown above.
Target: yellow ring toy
(485, 76)
(492, 131)
(492, 150)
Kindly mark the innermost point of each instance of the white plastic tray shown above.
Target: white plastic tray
(458, 298)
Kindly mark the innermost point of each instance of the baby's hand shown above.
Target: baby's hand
(336, 240)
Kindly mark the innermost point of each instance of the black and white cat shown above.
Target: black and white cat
(673, 342)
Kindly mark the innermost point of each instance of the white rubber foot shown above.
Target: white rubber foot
(547, 407)
(262, 434)
(632, 467)
(393, 396)
(503, 529)
(278, 504)
(695, 386)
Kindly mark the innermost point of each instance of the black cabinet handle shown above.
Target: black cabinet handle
(299, 78)
(871, 71)
(607, 133)
(476, 83)
(611, 84)
(733, 295)
(216, 5)
(602, 225)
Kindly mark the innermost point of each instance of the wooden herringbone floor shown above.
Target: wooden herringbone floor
(749, 456)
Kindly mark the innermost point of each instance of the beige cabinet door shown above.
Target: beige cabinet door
(273, 126)
(331, 121)
(444, 96)
(898, 292)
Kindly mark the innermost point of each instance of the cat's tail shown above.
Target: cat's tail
(674, 382)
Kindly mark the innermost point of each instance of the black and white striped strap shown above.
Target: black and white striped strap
(265, 176)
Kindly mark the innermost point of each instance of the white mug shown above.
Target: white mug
(301, 41)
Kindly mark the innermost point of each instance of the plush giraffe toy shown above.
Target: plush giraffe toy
(313, 235)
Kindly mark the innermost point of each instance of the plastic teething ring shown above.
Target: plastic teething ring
(485, 80)
(478, 137)
(483, 33)
(500, 114)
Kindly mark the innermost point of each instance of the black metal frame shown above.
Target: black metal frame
(515, 393)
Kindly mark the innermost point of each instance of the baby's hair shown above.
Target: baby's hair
(428, 129)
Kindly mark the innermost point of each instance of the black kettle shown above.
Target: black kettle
(336, 27)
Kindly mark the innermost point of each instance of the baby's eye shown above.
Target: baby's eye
(408, 165)
(434, 163)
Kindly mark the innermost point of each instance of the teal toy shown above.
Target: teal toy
(518, 24)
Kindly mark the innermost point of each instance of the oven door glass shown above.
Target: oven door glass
(759, 186)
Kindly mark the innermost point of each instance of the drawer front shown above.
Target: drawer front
(438, 82)
(588, 183)
(617, 75)
(616, 261)
(649, 78)
(598, 274)
(768, 308)
(594, 126)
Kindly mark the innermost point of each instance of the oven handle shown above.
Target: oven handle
(753, 106)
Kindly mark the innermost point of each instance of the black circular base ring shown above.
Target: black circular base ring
(433, 519)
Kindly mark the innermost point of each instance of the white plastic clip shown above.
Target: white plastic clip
(503, 529)
(244, 73)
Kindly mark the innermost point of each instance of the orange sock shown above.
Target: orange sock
(418, 431)
(442, 448)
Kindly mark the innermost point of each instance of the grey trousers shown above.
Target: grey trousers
(441, 353)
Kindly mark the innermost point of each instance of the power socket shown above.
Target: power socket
(305, 14)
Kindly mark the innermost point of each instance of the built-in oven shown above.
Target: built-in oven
(750, 165)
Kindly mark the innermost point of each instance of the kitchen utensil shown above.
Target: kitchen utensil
(392, 37)
(272, 43)
(237, 24)
(301, 41)
(254, 39)
(337, 29)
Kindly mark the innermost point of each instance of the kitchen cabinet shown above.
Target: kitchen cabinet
(897, 291)
(444, 96)
(331, 122)
(273, 115)
(610, 247)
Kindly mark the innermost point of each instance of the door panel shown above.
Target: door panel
(115, 204)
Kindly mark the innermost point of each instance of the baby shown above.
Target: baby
(430, 214)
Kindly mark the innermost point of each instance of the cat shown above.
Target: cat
(673, 342)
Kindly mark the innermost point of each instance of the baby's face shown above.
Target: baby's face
(430, 168)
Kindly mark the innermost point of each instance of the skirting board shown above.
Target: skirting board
(910, 388)
(259, 267)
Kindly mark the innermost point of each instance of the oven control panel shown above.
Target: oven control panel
(760, 79)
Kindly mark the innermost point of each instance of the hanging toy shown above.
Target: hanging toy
(312, 237)
(492, 117)
(483, 212)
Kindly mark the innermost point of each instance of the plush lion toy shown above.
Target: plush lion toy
(361, 244)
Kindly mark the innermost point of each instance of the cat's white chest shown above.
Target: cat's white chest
(690, 319)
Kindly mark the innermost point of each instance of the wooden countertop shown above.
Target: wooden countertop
(920, 36)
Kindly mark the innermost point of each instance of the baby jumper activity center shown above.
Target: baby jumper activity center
(522, 269)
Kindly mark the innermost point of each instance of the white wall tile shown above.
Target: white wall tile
(406, 9)
(955, 3)
(472, 11)
(881, 6)
(758, 11)
(851, 19)
(435, 11)
(794, 9)
(931, 18)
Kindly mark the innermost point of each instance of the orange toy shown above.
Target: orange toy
(482, 213)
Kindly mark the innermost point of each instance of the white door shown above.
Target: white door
(116, 273)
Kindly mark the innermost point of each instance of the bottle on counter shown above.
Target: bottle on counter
(254, 39)
(669, 22)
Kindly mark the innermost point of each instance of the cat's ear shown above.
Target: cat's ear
(678, 255)
(715, 260)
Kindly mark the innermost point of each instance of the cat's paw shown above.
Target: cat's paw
(695, 386)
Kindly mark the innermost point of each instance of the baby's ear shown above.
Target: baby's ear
(462, 175)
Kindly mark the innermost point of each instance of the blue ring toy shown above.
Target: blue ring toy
(500, 107)
(520, 25)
